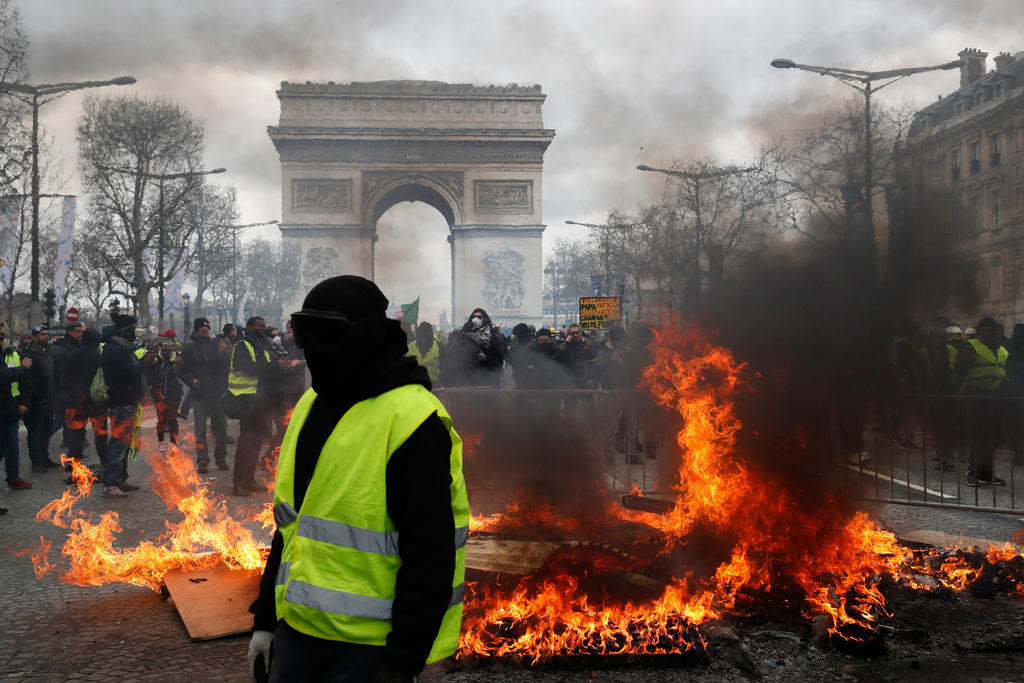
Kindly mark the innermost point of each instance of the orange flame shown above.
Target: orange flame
(205, 535)
(832, 559)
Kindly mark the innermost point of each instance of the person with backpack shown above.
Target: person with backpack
(122, 372)
(87, 395)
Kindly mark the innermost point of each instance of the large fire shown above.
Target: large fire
(827, 561)
(735, 538)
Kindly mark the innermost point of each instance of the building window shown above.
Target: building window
(995, 148)
(973, 213)
(954, 163)
(997, 90)
(960, 107)
(996, 206)
(919, 177)
(975, 156)
(1020, 281)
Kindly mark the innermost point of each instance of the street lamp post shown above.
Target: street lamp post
(38, 95)
(185, 299)
(698, 229)
(862, 82)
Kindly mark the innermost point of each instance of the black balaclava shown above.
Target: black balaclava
(374, 342)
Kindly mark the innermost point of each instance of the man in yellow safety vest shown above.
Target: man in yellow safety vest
(981, 371)
(364, 581)
(426, 351)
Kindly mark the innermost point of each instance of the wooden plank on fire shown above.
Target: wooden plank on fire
(513, 557)
(942, 540)
(214, 603)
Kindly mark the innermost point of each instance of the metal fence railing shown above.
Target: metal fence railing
(620, 430)
(947, 451)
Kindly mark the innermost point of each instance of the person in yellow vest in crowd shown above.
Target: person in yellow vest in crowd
(954, 339)
(14, 402)
(364, 581)
(250, 376)
(981, 371)
(427, 352)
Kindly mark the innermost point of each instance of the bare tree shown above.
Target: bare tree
(124, 142)
(212, 211)
(821, 176)
(270, 281)
(14, 136)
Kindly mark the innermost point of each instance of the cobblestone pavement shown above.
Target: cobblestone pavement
(58, 632)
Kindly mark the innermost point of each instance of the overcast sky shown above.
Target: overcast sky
(627, 82)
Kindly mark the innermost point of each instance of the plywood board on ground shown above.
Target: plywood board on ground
(214, 603)
(513, 557)
(943, 540)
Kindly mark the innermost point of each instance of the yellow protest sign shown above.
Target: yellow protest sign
(599, 312)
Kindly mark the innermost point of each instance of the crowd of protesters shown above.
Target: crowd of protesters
(480, 355)
(946, 390)
(103, 378)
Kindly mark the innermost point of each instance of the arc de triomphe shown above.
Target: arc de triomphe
(349, 152)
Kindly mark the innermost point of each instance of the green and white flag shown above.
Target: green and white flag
(411, 312)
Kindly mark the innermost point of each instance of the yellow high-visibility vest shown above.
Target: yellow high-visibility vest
(240, 383)
(431, 360)
(340, 561)
(987, 372)
(14, 361)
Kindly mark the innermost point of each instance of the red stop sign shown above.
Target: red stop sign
(71, 315)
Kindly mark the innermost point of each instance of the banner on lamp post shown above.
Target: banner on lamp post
(172, 300)
(10, 220)
(64, 242)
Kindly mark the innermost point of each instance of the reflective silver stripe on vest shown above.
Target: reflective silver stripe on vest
(282, 573)
(338, 602)
(350, 604)
(284, 514)
(457, 595)
(348, 536)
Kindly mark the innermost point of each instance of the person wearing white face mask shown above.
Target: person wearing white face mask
(475, 356)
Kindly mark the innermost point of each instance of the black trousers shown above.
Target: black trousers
(253, 430)
(297, 657)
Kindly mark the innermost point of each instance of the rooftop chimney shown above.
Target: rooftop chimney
(972, 65)
(1004, 63)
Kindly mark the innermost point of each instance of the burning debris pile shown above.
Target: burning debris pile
(205, 536)
(734, 544)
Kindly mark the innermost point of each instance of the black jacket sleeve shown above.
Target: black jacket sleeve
(419, 503)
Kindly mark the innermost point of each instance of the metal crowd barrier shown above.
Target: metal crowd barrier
(508, 431)
(943, 451)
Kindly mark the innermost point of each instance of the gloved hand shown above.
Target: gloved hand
(259, 645)
(385, 674)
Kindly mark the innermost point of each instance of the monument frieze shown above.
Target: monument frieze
(316, 195)
(503, 196)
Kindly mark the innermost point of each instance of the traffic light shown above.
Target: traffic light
(50, 308)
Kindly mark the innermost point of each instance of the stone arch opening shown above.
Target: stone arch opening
(349, 152)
